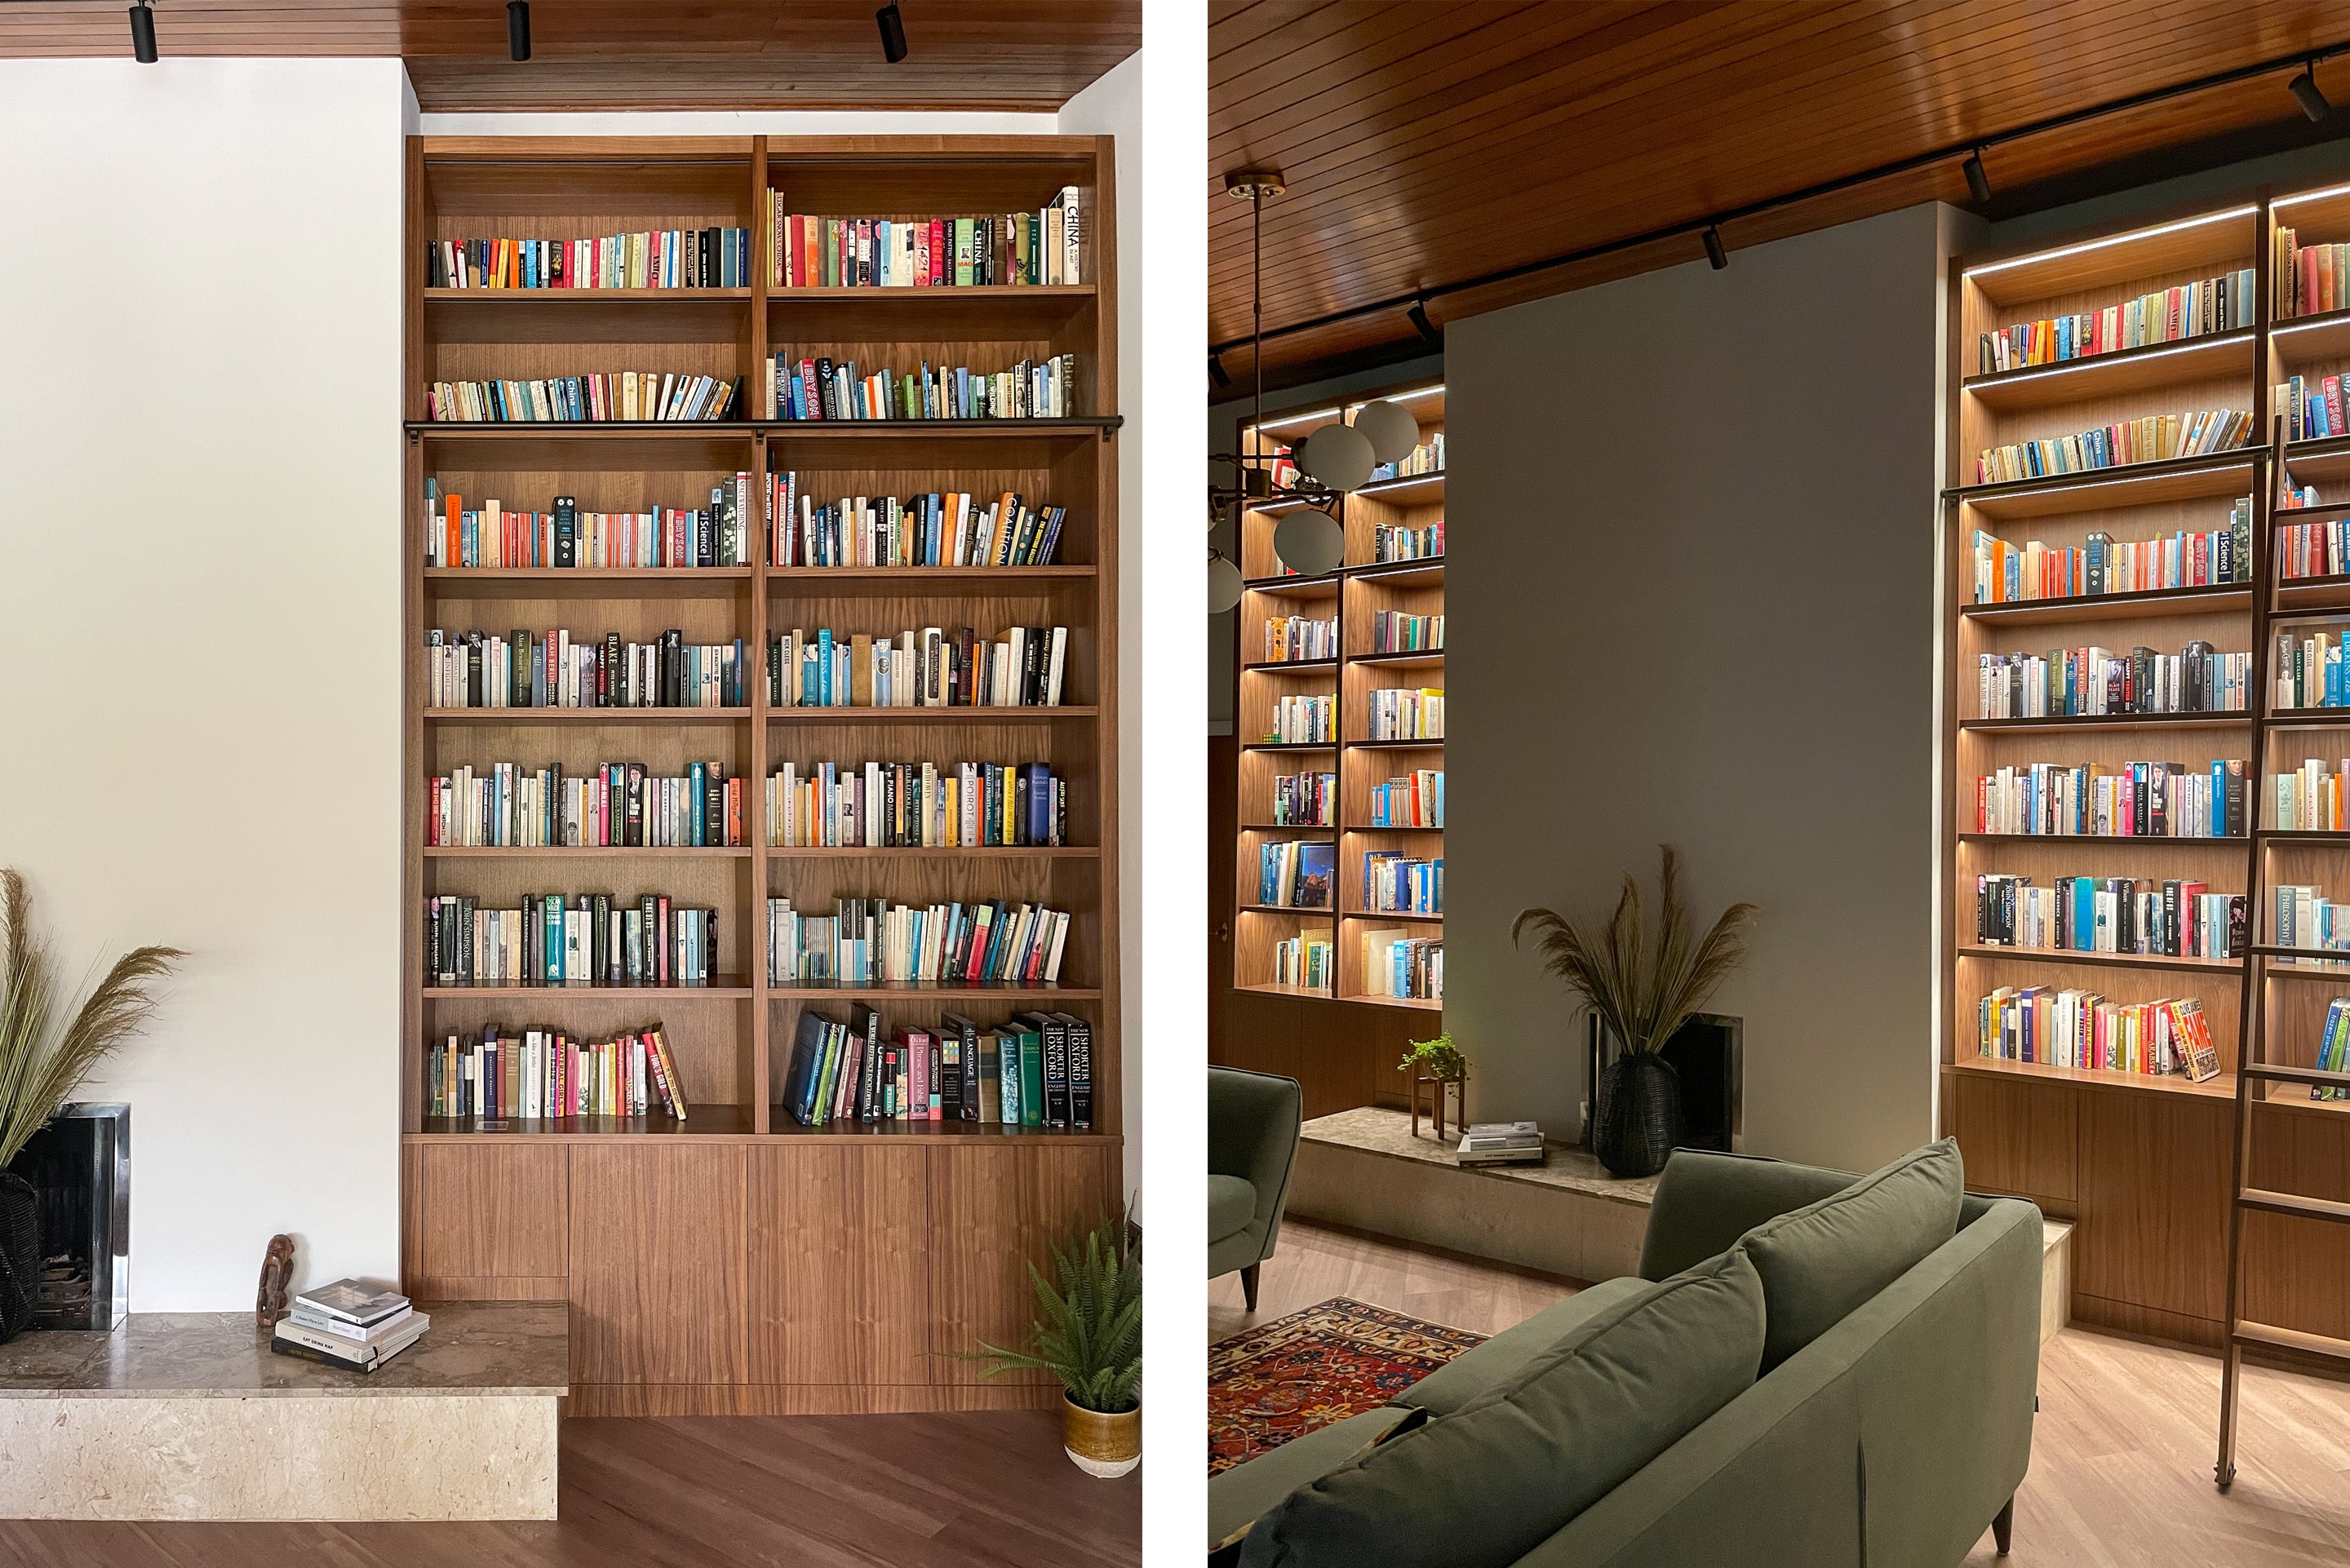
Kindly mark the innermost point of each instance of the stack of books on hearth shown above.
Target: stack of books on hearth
(1501, 1143)
(350, 1325)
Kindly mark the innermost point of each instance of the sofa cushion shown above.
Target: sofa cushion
(1483, 1486)
(1232, 1204)
(1512, 1351)
(1238, 1497)
(1819, 1261)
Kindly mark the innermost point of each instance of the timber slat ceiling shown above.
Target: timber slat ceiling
(642, 54)
(1425, 144)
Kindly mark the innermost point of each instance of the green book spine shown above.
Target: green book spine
(1031, 1079)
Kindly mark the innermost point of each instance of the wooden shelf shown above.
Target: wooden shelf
(773, 429)
(2124, 840)
(964, 293)
(2127, 485)
(1410, 490)
(799, 579)
(586, 582)
(1284, 666)
(2308, 717)
(1419, 659)
(581, 297)
(1322, 911)
(1377, 827)
(2302, 340)
(2223, 1087)
(2297, 597)
(1325, 586)
(934, 852)
(612, 717)
(1289, 746)
(1436, 744)
(929, 715)
(1427, 574)
(1289, 827)
(587, 852)
(2111, 375)
(1267, 988)
(701, 1121)
(1395, 915)
(2101, 960)
(877, 990)
(2119, 722)
(2328, 458)
(729, 991)
(2115, 606)
(781, 1126)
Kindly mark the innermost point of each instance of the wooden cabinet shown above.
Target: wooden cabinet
(657, 1263)
(995, 1208)
(2294, 1269)
(2017, 1137)
(839, 1288)
(499, 1227)
(2154, 1207)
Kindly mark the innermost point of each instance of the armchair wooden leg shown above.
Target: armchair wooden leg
(2003, 1529)
(1248, 1284)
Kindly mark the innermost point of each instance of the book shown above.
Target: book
(941, 528)
(1402, 713)
(2173, 918)
(373, 1334)
(2077, 1027)
(802, 389)
(350, 1300)
(2012, 574)
(1414, 800)
(1404, 542)
(1296, 873)
(292, 1339)
(2309, 667)
(1392, 631)
(2091, 682)
(613, 806)
(632, 396)
(558, 669)
(1397, 964)
(1052, 1033)
(1005, 250)
(1427, 457)
(569, 940)
(1303, 720)
(2152, 439)
(651, 258)
(489, 534)
(2311, 799)
(889, 806)
(2218, 304)
(2333, 1049)
(2309, 280)
(545, 1072)
(2115, 800)
(931, 667)
(1305, 800)
(1501, 1143)
(1299, 639)
(1080, 1033)
(867, 941)
(1305, 960)
(1396, 883)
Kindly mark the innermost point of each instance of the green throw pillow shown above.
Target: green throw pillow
(1822, 1260)
(1485, 1485)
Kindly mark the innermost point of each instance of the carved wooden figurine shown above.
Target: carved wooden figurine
(277, 1282)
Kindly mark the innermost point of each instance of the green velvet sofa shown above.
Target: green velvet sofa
(1252, 1122)
(1893, 1436)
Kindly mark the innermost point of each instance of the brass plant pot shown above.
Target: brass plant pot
(1101, 1444)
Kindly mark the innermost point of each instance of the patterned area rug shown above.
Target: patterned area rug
(1283, 1379)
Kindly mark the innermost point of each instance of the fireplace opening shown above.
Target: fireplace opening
(79, 1165)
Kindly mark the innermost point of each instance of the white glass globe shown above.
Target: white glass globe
(1310, 542)
(1338, 455)
(1390, 430)
(1224, 586)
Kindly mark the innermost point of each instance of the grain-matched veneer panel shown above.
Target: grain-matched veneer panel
(2295, 1268)
(837, 1282)
(497, 1210)
(543, 199)
(709, 1036)
(996, 735)
(2154, 1202)
(657, 1263)
(803, 1398)
(996, 1205)
(2017, 1135)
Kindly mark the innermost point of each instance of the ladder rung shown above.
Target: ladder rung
(2294, 1203)
(2296, 1075)
(2249, 1333)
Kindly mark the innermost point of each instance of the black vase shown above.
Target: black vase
(20, 1254)
(1638, 1118)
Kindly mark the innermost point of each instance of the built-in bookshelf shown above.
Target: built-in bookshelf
(1372, 660)
(793, 1265)
(2146, 588)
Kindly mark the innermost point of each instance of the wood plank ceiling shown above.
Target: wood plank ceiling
(642, 54)
(1426, 144)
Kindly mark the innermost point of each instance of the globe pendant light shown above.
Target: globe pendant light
(1338, 455)
(1224, 584)
(1310, 541)
(1393, 433)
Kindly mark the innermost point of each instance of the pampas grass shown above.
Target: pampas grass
(1642, 991)
(43, 1058)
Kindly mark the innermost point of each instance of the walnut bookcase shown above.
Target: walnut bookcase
(1354, 595)
(2143, 1162)
(737, 1262)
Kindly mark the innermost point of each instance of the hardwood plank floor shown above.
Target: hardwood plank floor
(2121, 1453)
(922, 1491)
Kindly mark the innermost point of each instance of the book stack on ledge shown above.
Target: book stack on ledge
(546, 1072)
(2149, 440)
(347, 1324)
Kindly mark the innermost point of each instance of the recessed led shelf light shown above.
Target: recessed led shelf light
(2108, 243)
(2136, 356)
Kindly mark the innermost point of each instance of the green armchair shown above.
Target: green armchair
(1252, 1122)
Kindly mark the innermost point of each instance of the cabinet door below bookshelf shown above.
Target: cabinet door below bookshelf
(657, 1263)
(488, 1221)
(839, 1288)
(993, 1209)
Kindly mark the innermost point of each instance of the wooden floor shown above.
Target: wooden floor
(2121, 1453)
(921, 1492)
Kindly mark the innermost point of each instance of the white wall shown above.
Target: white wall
(199, 615)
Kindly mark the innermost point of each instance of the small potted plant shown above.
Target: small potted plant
(46, 1049)
(1090, 1337)
(1438, 1062)
(1642, 992)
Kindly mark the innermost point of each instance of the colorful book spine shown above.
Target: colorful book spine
(895, 805)
(2152, 439)
(639, 396)
(1041, 247)
(587, 940)
(549, 1074)
(2079, 1028)
(2113, 800)
(655, 258)
(867, 941)
(557, 669)
(613, 806)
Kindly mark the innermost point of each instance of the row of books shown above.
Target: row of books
(2310, 279)
(948, 528)
(892, 806)
(1001, 249)
(2311, 409)
(1297, 874)
(2312, 800)
(1309, 799)
(2296, 498)
(1398, 542)
(2314, 549)
(1034, 1070)
(867, 941)
(2010, 573)
(1427, 457)
(347, 1324)
(615, 805)
(546, 1072)
(2173, 919)
(1395, 883)
(585, 939)
(2079, 1028)
(1289, 638)
(1305, 960)
(1392, 631)
(2100, 800)
(2306, 918)
(2090, 683)
(932, 668)
(1397, 964)
(2147, 440)
(493, 535)
(2334, 1049)
(646, 258)
(2309, 668)
(818, 388)
(1304, 719)
(2220, 304)
(1406, 713)
(553, 670)
(663, 396)
(1415, 800)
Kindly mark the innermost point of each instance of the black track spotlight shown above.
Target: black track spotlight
(2305, 92)
(1713, 251)
(1978, 183)
(893, 33)
(142, 33)
(1427, 330)
(518, 29)
(1216, 371)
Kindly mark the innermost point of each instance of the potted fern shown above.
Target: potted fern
(1643, 991)
(46, 1050)
(1090, 1337)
